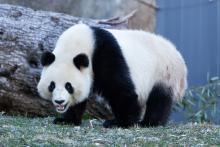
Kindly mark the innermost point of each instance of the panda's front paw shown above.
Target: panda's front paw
(110, 123)
(113, 123)
(62, 121)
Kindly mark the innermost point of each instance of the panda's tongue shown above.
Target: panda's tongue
(60, 107)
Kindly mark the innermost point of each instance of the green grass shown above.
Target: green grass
(22, 131)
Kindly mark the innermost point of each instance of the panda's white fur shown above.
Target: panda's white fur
(162, 61)
(150, 58)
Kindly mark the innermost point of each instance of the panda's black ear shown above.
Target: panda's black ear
(81, 61)
(47, 58)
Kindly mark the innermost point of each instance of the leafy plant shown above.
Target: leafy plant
(201, 104)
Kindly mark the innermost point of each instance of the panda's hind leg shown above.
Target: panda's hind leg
(158, 106)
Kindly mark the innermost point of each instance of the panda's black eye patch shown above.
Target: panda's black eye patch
(51, 86)
(47, 58)
(69, 87)
(81, 61)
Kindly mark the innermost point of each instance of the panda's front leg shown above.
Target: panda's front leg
(126, 110)
(73, 115)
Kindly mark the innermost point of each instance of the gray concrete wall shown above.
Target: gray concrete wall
(194, 27)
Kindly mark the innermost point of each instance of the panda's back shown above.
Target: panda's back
(151, 60)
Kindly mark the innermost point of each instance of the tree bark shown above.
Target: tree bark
(145, 16)
(24, 35)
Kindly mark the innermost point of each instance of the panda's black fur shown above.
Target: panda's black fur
(158, 107)
(112, 78)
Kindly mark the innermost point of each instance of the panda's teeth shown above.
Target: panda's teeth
(60, 107)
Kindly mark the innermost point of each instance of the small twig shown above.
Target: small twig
(149, 4)
(117, 20)
(90, 122)
(111, 19)
(130, 15)
(101, 141)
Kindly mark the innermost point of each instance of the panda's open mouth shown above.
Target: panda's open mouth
(61, 108)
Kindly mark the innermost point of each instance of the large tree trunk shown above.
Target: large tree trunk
(144, 16)
(24, 35)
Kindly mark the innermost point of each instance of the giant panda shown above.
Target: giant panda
(138, 73)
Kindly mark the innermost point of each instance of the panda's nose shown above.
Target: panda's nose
(59, 101)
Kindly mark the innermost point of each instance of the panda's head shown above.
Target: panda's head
(66, 76)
